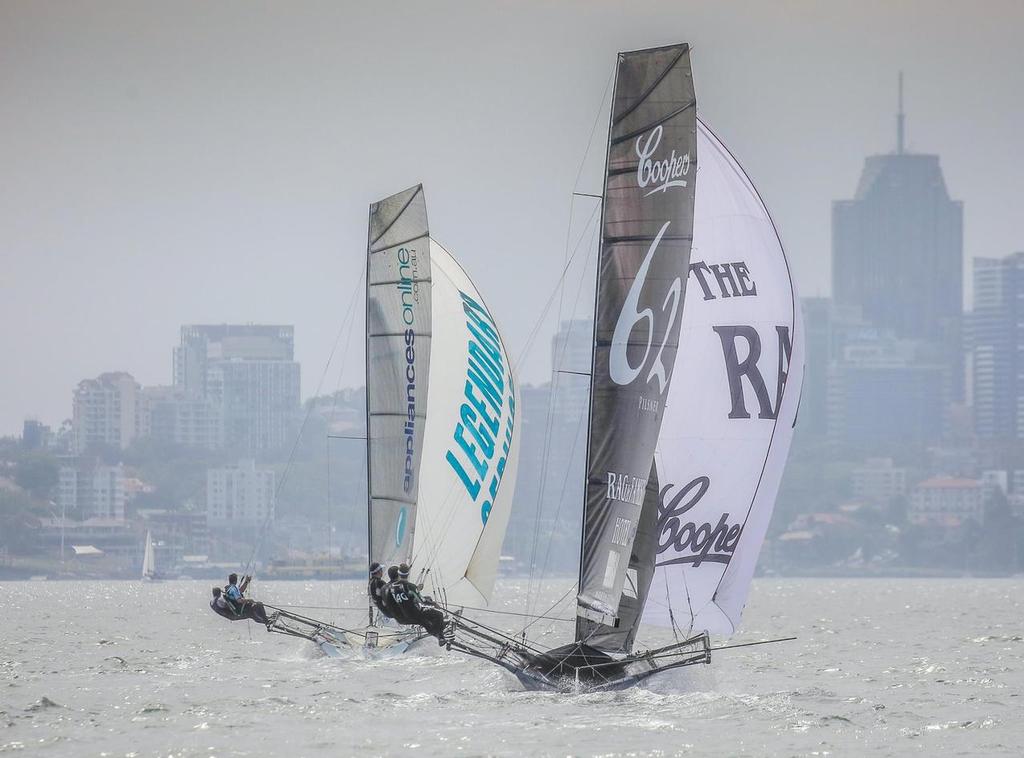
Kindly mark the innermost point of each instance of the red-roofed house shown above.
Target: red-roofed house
(946, 501)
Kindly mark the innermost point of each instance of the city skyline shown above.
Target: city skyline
(194, 186)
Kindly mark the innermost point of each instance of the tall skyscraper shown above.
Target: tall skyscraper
(249, 373)
(996, 348)
(897, 251)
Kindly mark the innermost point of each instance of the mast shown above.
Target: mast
(593, 343)
(366, 402)
(899, 118)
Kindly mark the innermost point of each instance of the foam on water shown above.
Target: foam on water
(880, 667)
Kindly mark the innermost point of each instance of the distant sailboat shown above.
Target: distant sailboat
(696, 376)
(149, 560)
(442, 426)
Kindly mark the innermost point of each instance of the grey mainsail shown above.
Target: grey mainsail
(647, 227)
(398, 329)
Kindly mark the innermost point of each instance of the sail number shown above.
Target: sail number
(619, 367)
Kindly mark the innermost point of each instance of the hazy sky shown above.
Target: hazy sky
(196, 162)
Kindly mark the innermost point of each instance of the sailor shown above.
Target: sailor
(221, 606)
(242, 606)
(375, 589)
(414, 608)
(388, 605)
(235, 592)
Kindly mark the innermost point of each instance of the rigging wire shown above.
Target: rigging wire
(250, 564)
(569, 258)
(544, 461)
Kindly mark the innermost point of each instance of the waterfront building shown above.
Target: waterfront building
(878, 481)
(242, 495)
(946, 501)
(91, 491)
(172, 415)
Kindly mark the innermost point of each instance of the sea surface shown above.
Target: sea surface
(881, 667)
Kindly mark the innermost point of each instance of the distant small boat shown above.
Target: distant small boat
(149, 573)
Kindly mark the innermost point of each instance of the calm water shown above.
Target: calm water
(887, 667)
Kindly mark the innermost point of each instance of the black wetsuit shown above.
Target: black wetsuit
(242, 609)
(410, 607)
(223, 608)
(376, 592)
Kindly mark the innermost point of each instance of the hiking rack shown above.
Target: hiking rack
(577, 666)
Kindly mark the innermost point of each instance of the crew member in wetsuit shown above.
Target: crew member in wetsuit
(413, 608)
(242, 606)
(388, 605)
(221, 606)
(375, 589)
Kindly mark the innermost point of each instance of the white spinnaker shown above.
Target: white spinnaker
(452, 539)
(720, 472)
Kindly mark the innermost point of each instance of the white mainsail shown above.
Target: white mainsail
(732, 404)
(149, 559)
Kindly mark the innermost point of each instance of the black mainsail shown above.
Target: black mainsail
(647, 229)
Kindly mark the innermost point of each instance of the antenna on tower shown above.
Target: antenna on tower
(899, 119)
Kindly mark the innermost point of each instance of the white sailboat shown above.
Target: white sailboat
(149, 560)
(442, 436)
(696, 376)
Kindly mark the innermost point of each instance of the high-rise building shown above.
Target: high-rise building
(92, 491)
(173, 415)
(828, 328)
(995, 340)
(249, 374)
(242, 495)
(106, 411)
(897, 251)
(885, 395)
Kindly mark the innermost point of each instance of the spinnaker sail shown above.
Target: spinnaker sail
(732, 406)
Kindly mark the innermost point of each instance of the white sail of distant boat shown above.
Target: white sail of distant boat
(149, 559)
(696, 377)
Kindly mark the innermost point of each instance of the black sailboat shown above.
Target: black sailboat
(649, 356)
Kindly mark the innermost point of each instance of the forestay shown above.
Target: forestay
(645, 249)
(732, 405)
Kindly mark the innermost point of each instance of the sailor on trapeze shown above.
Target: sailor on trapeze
(401, 600)
(234, 606)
